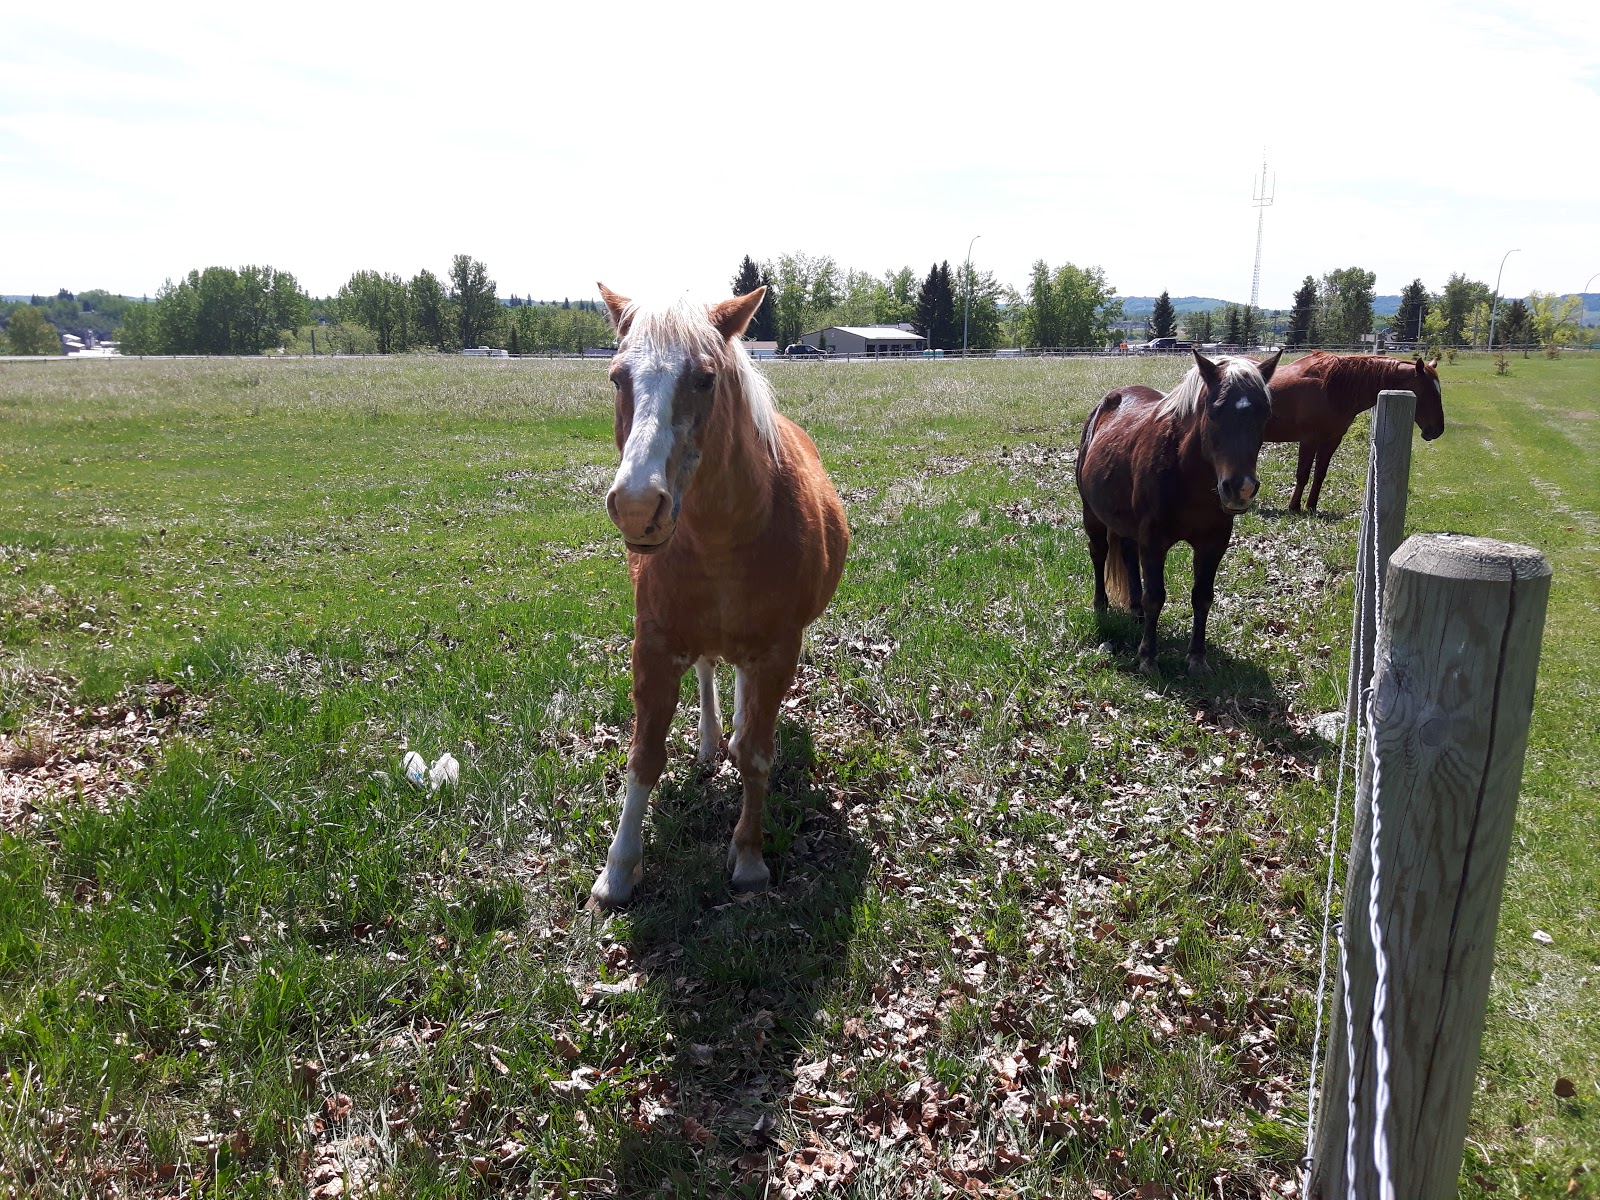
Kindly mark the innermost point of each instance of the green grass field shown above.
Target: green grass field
(1040, 925)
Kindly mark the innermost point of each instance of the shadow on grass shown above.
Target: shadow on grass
(1238, 686)
(740, 978)
(1269, 512)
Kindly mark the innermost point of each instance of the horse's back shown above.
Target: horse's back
(1302, 406)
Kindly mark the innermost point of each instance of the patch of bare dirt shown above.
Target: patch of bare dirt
(87, 755)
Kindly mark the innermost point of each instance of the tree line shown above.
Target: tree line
(256, 309)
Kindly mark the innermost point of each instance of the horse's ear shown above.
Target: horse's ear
(618, 307)
(1418, 361)
(1269, 365)
(1208, 371)
(1434, 365)
(732, 317)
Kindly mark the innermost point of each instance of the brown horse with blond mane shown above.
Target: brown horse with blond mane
(1157, 470)
(736, 540)
(1315, 398)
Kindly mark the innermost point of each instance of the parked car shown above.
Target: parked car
(799, 349)
(1164, 345)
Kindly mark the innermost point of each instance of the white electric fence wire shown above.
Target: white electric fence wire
(1356, 711)
(1354, 674)
(1380, 991)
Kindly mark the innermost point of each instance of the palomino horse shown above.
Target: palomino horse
(1315, 398)
(1156, 470)
(736, 540)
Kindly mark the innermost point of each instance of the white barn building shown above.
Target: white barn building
(867, 339)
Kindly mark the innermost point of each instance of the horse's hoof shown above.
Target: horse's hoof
(1147, 666)
(750, 876)
(1198, 665)
(614, 887)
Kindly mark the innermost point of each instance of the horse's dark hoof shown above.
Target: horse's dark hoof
(1147, 666)
(1198, 665)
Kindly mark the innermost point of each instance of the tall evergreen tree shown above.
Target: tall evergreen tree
(1302, 317)
(1163, 318)
(751, 275)
(1407, 323)
(936, 309)
(748, 277)
(1232, 333)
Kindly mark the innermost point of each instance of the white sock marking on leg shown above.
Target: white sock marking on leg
(710, 713)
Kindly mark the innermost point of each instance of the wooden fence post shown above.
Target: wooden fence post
(1463, 619)
(1388, 487)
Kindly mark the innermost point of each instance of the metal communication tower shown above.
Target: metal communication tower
(1262, 200)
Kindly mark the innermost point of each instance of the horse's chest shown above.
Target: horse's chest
(723, 611)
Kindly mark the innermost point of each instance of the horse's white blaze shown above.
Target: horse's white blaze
(710, 713)
(649, 445)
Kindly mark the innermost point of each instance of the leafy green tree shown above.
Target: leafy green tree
(1042, 324)
(1407, 323)
(1554, 320)
(137, 333)
(1458, 302)
(808, 288)
(1200, 326)
(1163, 319)
(30, 334)
(472, 300)
(900, 291)
(1344, 305)
(982, 298)
(379, 302)
(1303, 316)
(936, 317)
(430, 320)
(1086, 305)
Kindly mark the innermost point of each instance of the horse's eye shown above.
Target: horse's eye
(705, 381)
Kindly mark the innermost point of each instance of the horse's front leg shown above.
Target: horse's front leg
(759, 690)
(1153, 559)
(656, 675)
(1302, 472)
(1207, 557)
(710, 713)
(1324, 457)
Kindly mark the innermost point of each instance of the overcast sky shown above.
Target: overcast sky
(652, 145)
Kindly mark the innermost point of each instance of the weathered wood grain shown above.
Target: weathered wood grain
(1457, 656)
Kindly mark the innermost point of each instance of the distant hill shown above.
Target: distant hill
(1143, 306)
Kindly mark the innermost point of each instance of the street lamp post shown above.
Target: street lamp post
(966, 312)
(1495, 303)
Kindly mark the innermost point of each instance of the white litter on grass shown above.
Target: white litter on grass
(445, 772)
(414, 767)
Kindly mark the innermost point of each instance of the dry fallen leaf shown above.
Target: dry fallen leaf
(696, 1132)
(1565, 1088)
(306, 1074)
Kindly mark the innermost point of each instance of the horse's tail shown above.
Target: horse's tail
(1117, 573)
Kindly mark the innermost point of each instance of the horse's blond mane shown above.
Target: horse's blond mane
(686, 323)
(1184, 400)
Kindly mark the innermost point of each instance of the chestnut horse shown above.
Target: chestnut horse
(1315, 398)
(1156, 470)
(736, 540)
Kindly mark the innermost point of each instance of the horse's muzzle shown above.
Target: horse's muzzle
(1236, 495)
